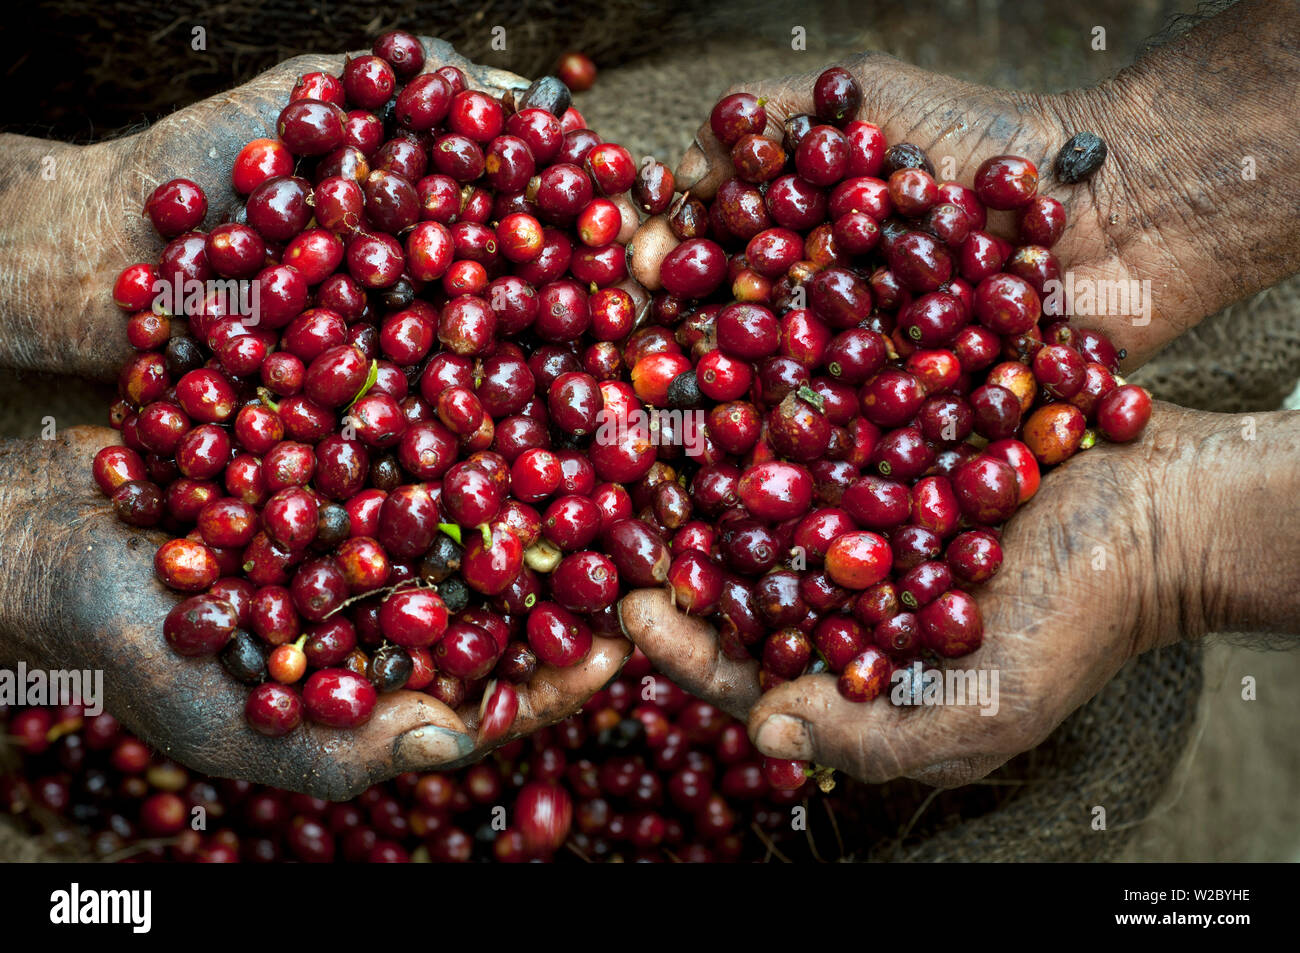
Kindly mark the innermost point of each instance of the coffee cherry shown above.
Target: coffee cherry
(1123, 413)
(1054, 432)
(338, 698)
(865, 677)
(951, 625)
(1006, 182)
(273, 709)
(836, 96)
(986, 490)
(557, 636)
(176, 207)
(858, 560)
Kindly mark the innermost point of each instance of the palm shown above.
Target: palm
(960, 125)
(1075, 599)
(86, 598)
(200, 143)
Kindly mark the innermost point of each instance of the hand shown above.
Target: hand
(68, 239)
(81, 594)
(1095, 572)
(959, 125)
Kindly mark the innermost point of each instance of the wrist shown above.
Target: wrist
(62, 240)
(1197, 191)
(26, 470)
(1225, 533)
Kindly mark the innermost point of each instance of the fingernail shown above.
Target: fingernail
(782, 736)
(430, 745)
(693, 167)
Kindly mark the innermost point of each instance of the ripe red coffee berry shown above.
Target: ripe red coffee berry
(311, 128)
(865, 677)
(558, 636)
(273, 709)
(737, 115)
(413, 619)
(1006, 182)
(402, 51)
(974, 556)
(986, 490)
(176, 207)
(578, 72)
(776, 491)
(694, 269)
(338, 698)
(859, 560)
(201, 625)
(186, 566)
(951, 625)
(260, 160)
(836, 96)
(1054, 432)
(368, 82)
(1123, 413)
(543, 815)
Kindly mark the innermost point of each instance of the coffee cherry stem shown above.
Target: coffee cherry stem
(417, 582)
(811, 396)
(265, 397)
(452, 530)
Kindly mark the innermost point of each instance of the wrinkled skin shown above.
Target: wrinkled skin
(82, 595)
(81, 591)
(1198, 527)
(1056, 628)
(1129, 221)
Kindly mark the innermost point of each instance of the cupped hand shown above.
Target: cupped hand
(82, 595)
(199, 143)
(1094, 573)
(1109, 235)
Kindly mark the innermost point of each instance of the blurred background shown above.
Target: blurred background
(81, 72)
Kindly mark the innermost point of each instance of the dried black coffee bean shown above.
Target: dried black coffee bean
(390, 668)
(243, 658)
(1080, 157)
(905, 155)
(684, 391)
(795, 128)
(547, 93)
(442, 559)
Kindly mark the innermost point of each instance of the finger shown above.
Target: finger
(552, 694)
(630, 218)
(650, 245)
(685, 648)
(809, 720)
(408, 731)
(705, 166)
(496, 81)
(707, 163)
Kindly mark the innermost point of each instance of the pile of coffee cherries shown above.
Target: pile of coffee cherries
(881, 388)
(369, 426)
(668, 779)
